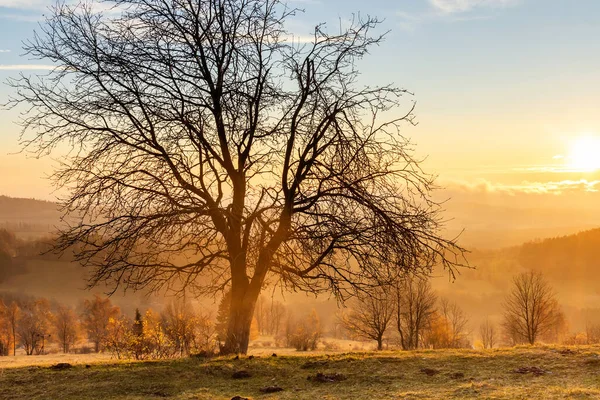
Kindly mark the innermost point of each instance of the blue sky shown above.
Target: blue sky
(502, 86)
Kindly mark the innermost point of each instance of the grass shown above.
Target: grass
(572, 373)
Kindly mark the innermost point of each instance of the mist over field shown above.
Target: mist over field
(500, 248)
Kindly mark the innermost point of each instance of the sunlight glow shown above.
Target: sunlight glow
(584, 154)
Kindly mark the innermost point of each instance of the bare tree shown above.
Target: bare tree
(415, 305)
(95, 318)
(276, 313)
(179, 321)
(66, 325)
(205, 338)
(530, 309)
(34, 325)
(303, 333)
(371, 315)
(269, 315)
(592, 333)
(457, 324)
(211, 151)
(487, 331)
(13, 314)
(261, 315)
(558, 331)
(5, 334)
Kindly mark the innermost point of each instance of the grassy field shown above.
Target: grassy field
(543, 373)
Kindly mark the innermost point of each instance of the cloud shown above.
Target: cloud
(4, 51)
(26, 4)
(484, 186)
(451, 11)
(300, 39)
(34, 10)
(461, 6)
(21, 67)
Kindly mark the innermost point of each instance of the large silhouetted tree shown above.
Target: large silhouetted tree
(211, 150)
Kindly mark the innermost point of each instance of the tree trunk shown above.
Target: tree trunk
(379, 343)
(241, 311)
(416, 338)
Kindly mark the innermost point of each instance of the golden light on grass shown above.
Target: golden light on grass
(584, 154)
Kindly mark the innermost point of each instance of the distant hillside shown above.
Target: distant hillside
(571, 264)
(565, 258)
(573, 258)
(28, 218)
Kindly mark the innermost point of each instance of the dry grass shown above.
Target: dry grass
(21, 360)
(573, 374)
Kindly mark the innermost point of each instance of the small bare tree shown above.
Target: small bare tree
(261, 315)
(96, 314)
(34, 325)
(457, 324)
(592, 333)
(179, 321)
(303, 333)
(530, 309)
(370, 315)
(415, 305)
(13, 314)
(277, 311)
(487, 331)
(66, 325)
(5, 334)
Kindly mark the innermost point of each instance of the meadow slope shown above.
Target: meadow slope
(557, 373)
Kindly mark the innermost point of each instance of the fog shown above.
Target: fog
(504, 234)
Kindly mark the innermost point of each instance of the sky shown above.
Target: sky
(507, 92)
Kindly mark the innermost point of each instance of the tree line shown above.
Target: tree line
(407, 315)
(410, 314)
(179, 329)
(412, 311)
(35, 323)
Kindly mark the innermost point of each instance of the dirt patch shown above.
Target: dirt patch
(202, 354)
(457, 375)
(592, 362)
(567, 352)
(327, 378)
(430, 371)
(314, 364)
(271, 389)
(535, 371)
(242, 374)
(239, 398)
(476, 389)
(61, 366)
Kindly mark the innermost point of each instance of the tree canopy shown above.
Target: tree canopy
(210, 150)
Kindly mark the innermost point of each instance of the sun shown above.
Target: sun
(584, 154)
